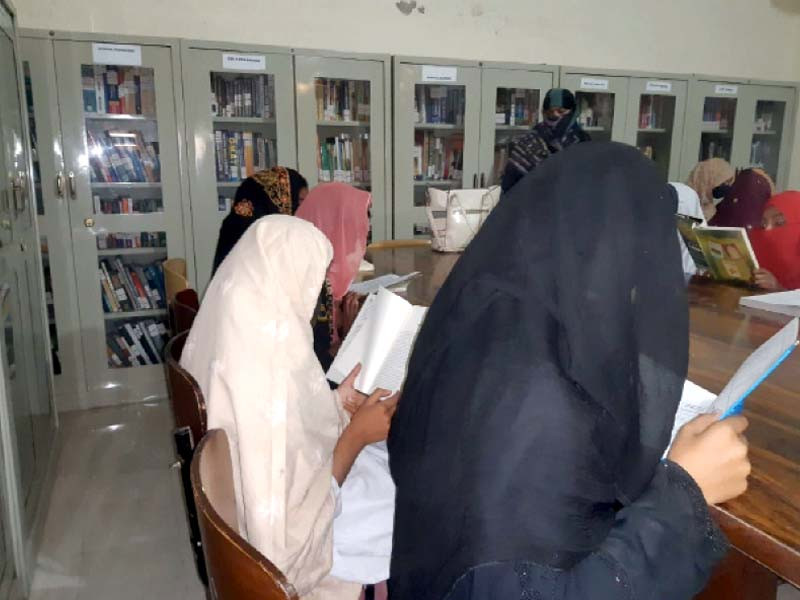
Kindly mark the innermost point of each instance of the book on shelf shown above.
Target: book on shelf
(516, 107)
(381, 339)
(125, 205)
(652, 111)
(344, 158)
(250, 97)
(118, 90)
(127, 287)
(145, 239)
(437, 157)
(724, 252)
(342, 100)
(240, 154)
(135, 343)
(439, 104)
(122, 157)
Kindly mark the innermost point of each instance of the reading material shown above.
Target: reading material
(753, 371)
(725, 252)
(380, 339)
(786, 303)
(384, 281)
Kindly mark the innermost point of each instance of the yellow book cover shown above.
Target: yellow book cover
(728, 252)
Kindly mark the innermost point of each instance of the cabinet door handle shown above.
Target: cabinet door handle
(73, 189)
(483, 180)
(18, 186)
(474, 181)
(60, 184)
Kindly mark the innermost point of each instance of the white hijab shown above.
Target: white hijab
(251, 350)
(689, 205)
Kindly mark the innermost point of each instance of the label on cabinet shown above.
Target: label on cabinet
(244, 62)
(117, 54)
(437, 73)
(592, 83)
(729, 90)
(658, 86)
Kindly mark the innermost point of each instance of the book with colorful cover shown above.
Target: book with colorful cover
(724, 252)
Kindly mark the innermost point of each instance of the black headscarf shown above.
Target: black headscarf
(544, 381)
(267, 192)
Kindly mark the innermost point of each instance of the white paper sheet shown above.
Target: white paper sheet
(384, 281)
(786, 303)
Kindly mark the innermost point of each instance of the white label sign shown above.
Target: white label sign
(730, 90)
(658, 86)
(117, 54)
(592, 83)
(244, 62)
(437, 73)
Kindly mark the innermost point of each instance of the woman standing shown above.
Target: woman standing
(541, 393)
(711, 179)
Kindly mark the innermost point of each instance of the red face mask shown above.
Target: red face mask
(778, 249)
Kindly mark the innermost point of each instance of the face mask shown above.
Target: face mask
(719, 192)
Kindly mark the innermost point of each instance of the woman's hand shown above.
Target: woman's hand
(350, 305)
(714, 453)
(371, 421)
(351, 398)
(767, 281)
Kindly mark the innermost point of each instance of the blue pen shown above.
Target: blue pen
(737, 406)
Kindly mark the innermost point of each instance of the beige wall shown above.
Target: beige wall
(745, 38)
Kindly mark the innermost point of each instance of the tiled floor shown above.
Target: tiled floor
(116, 528)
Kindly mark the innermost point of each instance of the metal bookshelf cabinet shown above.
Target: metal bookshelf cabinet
(210, 195)
(362, 76)
(768, 128)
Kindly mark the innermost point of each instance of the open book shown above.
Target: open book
(786, 303)
(381, 340)
(725, 252)
(753, 371)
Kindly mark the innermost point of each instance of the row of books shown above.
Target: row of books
(145, 239)
(123, 156)
(439, 104)
(655, 112)
(252, 96)
(516, 107)
(342, 100)
(129, 287)
(241, 153)
(719, 112)
(345, 158)
(118, 90)
(136, 343)
(437, 157)
(124, 205)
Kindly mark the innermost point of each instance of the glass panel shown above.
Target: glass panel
(37, 178)
(768, 129)
(51, 306)
(438, 157)
(654, 129)
(245, 135)
(133, 296)
(516, 111)
(596, 114)
(343, 128)
(716, 139)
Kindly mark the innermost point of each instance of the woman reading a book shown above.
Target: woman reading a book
(272, 191)
(744, 201)
(711, 179)
(341, 212)
(540, 398)
(293, 441)
(777, 244)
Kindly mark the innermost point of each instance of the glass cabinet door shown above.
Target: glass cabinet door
(602, 102)
(437, 122)
(121, 153)
(511, 106)
(240, 119)
(341, 124)
(655, 121)
(769, 110)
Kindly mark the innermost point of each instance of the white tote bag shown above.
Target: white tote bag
(455, 216)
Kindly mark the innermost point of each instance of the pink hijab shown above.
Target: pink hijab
(340, 212)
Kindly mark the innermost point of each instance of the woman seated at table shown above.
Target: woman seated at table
(292, 442)
(744, 202)
(711, 179)
(540, 397)
(777, 244)
(272, 191)
(341, 212)
(689, 204)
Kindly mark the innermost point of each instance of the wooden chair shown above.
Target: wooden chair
(388, 244)
(237, 571)
(189, 410)
(183, 310)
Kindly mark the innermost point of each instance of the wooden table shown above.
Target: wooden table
(763, 525)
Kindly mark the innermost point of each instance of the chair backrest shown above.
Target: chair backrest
(386, 244)
(188, 404)
(182, 315)
(188, 297)
(236, 570)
